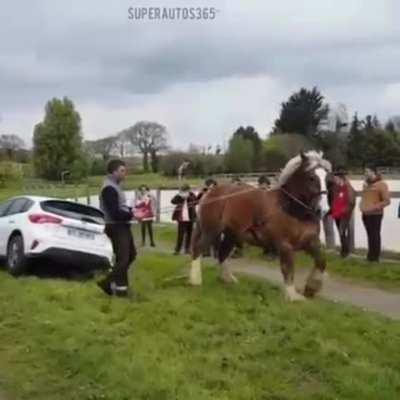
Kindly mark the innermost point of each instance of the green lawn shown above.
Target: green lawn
(92, 186)
(66, 340)
(384, 274)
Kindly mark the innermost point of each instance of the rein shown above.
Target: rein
(301, 203)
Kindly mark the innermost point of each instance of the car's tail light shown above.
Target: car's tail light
(44, 219)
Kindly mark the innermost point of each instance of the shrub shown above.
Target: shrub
(10, 173)
(240, 155)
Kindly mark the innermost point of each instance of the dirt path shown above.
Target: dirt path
(335, 289)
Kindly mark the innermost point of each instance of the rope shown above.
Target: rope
(298, 201)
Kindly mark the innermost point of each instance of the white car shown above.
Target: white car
(61, 230)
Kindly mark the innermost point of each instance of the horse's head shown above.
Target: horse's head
(304, 177)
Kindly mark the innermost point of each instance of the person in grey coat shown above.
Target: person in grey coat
(117, 217)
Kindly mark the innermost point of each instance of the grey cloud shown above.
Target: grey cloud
(93, 53)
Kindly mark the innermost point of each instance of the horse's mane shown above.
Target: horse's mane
(315, 160)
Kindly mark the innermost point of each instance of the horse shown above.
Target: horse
(286, 217)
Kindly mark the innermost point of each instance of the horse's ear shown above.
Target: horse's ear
(303, 156)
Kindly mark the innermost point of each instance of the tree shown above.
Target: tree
(11, 144)
(355, 127)
(239, 155)
(334, 147)
(356, 141)
(376, 123)
(103, 146)
(390, 126)
(369, 124)
(150, 138)
(57, 140)
(278, 149)
(251, 135)
(382, 147)
(302, 113)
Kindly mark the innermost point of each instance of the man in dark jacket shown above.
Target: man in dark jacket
(208, 185)
(185, 215)
(117, 217)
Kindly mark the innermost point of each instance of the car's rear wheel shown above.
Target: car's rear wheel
(17, 262)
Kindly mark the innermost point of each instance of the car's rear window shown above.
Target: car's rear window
(73, 210)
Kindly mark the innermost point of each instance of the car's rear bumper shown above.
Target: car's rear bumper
(73, 257)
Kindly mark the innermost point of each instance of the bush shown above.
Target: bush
(274, 159)
(201, 164)
(80, 168)
(98, 167)
(170, 163)
(206, 164)
(10, 173)
(240, 155)
(28, 171)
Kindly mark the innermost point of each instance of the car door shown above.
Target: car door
(10, 221)
(4, 207)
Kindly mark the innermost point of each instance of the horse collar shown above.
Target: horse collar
(301, 203)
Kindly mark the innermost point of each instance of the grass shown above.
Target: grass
(92, 186)
(65, 340)
(385, 274)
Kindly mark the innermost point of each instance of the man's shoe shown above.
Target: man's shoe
(105, 286)
(121, 294)
(121, 291)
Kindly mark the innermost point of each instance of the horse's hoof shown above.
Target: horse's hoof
(314, 283)
(312, 287)
(293, 295)
(229, 278)
(193, 283)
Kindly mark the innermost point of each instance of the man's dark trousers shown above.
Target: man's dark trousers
(185, 229)
(125, 252)
(373, 225)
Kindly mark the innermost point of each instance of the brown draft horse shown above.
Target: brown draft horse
(286, 217)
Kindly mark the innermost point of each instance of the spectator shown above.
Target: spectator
(185, 215)
(208, 184)
(145, 210)
(375, 198)
(182, 169)
(264, 182)
(342, 200)
(236, 180)
(117, 217)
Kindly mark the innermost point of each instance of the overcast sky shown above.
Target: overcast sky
(202, 79)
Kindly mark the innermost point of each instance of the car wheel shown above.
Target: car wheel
(16, 261)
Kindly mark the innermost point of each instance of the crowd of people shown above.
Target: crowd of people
(118, 215)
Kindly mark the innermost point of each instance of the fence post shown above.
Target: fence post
(76, 192)
(329, 231)
(158, 205)
(88, 195)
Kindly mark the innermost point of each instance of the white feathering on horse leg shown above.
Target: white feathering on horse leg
(195, 278)
(292, 294)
